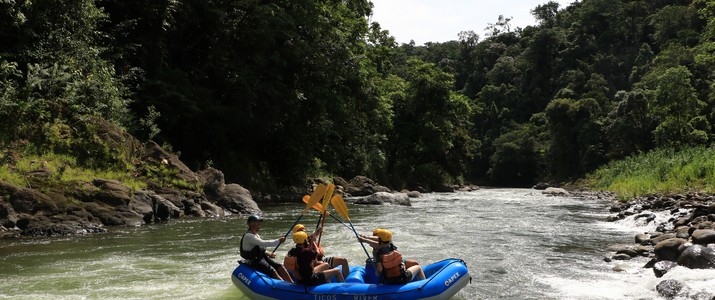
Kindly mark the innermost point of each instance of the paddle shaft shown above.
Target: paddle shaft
(289, 230)
(358, 238)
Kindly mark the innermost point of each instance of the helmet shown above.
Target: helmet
(376, 231)
(300, 237)
(385, 235)
(299, 227)
(253, 218)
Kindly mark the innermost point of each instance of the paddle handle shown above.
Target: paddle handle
(288, 232)
(321, 232)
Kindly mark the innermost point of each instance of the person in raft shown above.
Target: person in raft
(389, 262)
(374, 242)
(333, 261)
(253, 249)
(307, 268)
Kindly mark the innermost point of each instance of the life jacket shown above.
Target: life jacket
(291, 263)
(392, 264)
(255, 253)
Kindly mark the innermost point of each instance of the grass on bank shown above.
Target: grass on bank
(64, 169)
(659, 171)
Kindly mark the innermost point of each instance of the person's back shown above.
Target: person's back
(390, 263)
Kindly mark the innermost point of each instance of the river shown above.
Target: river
(518, 244)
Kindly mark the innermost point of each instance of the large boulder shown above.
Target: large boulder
(363, 186)
(697, 257)
(668, 249)
(703, 236)
(381, 198)
(112, 192)
(232, 197)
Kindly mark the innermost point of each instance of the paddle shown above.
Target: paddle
(319, 207)
(342, 209)
(326, 202)
(318, 193)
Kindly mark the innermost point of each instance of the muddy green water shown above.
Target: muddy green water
(518, 244)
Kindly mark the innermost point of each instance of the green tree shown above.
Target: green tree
(676, 106)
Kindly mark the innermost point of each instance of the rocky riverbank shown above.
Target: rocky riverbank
(686, 239)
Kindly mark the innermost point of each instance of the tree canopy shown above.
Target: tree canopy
(273, 92)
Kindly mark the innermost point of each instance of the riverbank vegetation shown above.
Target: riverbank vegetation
(273, 92)
(662, 171)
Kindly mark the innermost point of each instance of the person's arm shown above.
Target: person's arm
(251, 240)
(370, 240)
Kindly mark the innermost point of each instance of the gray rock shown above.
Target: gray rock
(703, 236)
(669, 288)
(381, 198)
(697, 257)
(662, 267)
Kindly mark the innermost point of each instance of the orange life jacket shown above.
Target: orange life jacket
(291, 263)
(392, 264)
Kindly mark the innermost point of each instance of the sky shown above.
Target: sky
(441, 20)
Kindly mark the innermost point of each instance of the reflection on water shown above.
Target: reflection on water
(518, 244)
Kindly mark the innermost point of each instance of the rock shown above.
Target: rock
(112, 192)
(655, 239)
(413, 194)
(697, 257)
(621, 256)
(165, 210)
(703, 236)
(231, 197)
(555, 192)
(159, 155)
(237, 199)
(662, 267)
(381, 198)
(363, 186)
(143, 204)
(642, 237)
(668, 249)
(541, 186)
(212, 210)
(669, 288)
(629, 252)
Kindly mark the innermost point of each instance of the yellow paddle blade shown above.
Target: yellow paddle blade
(326, 198)
(316, 206)
(340, 206)
(318, 194)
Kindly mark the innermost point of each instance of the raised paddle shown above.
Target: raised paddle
(342, 209)
(318, 193)
(326, 202)
(319, 207)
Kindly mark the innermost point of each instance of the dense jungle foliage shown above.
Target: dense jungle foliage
(274, 91)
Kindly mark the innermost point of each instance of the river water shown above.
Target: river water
(517, 243)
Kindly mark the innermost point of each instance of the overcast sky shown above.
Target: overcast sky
(441, 20)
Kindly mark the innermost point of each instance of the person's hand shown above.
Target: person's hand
(282, 239)
(272, 255)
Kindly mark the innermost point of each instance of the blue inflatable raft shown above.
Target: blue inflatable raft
(444, 279)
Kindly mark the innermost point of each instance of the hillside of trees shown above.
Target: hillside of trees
(274, 91)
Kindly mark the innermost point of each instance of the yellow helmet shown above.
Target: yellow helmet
(385, 235)
(299, 227)
(376, 231)
(300, 237)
